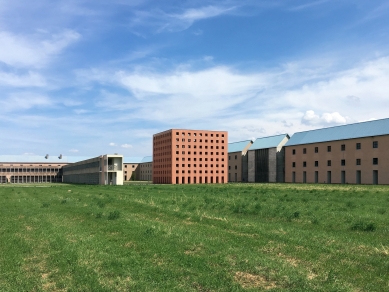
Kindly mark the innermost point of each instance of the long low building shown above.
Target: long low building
(354, 153)
(32, 169)
(103, 170)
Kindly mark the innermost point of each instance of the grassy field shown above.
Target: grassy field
(236, 237)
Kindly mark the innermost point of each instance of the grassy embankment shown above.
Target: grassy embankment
(194, 238)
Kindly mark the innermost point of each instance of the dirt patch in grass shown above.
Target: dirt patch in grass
(194, 250)
(383, 250)
(273, 247)
(311, 275)
(247, 280)
(292, 261)
(199, 287)
(130, 244)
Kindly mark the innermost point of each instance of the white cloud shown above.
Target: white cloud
(126, 146)
(310, 118)
(24, 101)
(309, 5)
(80, 111)
(184, 95)
(33, 50)
(112, 144)
(194, 14)
(173, 22)
(214, 82)
(73, 150)
(294, 97)
(275, 100)
(31, 79)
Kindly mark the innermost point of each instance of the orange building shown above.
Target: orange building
(190, 157)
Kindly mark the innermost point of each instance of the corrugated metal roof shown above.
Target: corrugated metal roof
(147, 159)
(132, 159)
(344, 132)
(237, 146)
(267, 142)
(40, 159)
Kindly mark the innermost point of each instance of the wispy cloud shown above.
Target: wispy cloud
(193, 14)
(33, 50)
(24, 101)
(285, 99)
(163, 21)
(30, 79)
(309, 5)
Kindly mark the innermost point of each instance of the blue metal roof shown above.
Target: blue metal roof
(147, 159)
(268, 142)
(344, 132)
(238, 146)
(132, 159)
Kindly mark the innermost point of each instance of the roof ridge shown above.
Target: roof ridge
(240, 141)
(345, 125)
(342, 132)
(272, 136)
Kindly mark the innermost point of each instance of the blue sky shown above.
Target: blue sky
(93, 77)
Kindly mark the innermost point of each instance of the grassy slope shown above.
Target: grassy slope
(194, 238)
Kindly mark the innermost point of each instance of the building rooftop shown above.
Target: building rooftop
(192, 130)
(41, 159)
(147, 159)
(268, 142)
(344, 132)
(238, 146)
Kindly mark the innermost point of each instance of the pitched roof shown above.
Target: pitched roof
(344, 132)
(238, 146)
(147, 159)
(268, 142)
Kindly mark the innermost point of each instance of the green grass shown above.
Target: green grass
(236, 237)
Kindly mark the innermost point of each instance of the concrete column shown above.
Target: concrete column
(251, 166)
(272, 164)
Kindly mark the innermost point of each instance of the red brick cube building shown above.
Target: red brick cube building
(190, 157)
